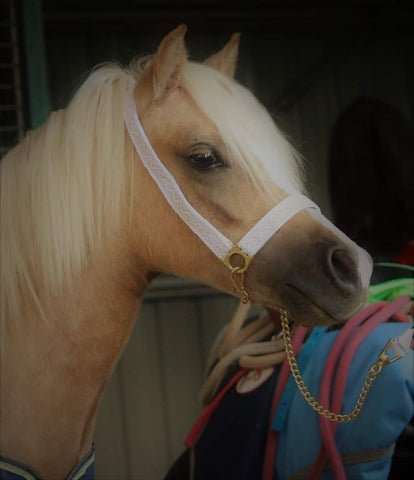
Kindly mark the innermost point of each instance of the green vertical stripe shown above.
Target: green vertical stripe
(36, 70)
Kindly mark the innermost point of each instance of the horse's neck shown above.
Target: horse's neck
(53, 374)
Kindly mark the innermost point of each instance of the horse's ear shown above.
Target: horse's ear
(225, 60)
(164, 71)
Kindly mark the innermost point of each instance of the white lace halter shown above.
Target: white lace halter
(220, 245)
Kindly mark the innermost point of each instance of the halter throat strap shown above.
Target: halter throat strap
(218, 243)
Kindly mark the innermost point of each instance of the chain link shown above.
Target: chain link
(372, 374)
(238, 283)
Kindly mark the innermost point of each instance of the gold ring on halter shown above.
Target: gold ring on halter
(238, 270)
(237, 251)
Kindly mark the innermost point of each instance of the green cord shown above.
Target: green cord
(391, 289)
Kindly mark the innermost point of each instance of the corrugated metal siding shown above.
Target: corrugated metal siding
(151, 401)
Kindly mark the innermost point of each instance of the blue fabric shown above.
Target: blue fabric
(85, 470)
(389, 408)
(232, 445)
(290, 388)
(12, 470)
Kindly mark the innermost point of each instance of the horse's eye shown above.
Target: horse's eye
(205, 160)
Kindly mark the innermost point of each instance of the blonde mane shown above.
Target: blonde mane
(62, 189)
(63, 186)
(252, 137)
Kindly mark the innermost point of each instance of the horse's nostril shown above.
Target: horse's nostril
(343, 269)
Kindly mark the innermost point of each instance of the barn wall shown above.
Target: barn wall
(151, 401)
(306, 81)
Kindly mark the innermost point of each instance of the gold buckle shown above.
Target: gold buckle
(237, 251)
(384, 356)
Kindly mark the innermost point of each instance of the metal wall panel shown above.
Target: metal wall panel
(151, 401)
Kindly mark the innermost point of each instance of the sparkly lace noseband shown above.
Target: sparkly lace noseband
(220, 245)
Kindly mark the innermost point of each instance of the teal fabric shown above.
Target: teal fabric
(389, 408)
(291, 388)
(12, 470)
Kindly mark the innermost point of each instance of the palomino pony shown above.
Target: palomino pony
(84, 229)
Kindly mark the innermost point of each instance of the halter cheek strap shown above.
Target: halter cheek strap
(219, 244)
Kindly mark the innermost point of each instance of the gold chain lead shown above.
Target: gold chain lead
(238, 283)
(372, 374)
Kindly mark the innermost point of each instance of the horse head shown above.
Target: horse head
(233, 165)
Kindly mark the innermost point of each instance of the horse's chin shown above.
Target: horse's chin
(308, 311)
(304, 310)
(312, 315)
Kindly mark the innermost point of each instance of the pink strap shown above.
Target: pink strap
(376, 314)
(272, 436)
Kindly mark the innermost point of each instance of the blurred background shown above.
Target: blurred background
(338, 78)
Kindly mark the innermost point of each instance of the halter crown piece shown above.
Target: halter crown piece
(221, 246)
